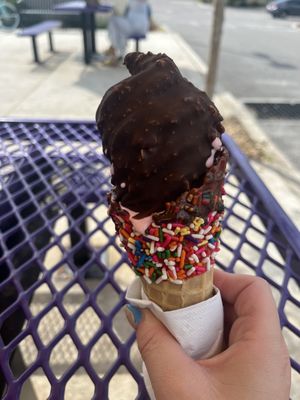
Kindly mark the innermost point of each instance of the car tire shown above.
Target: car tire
(283, 14)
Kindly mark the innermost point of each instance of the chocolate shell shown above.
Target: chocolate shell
(157, 130)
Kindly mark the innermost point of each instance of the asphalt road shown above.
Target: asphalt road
(260, 55)
(259, 58)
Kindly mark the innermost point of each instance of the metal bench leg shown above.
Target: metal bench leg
(87, 37)
(93, 33)
(50, 42)
(137, 45)
(35, 52)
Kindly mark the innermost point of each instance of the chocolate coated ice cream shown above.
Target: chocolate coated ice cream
(157, 130)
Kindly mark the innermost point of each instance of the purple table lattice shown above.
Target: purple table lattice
(63, 276)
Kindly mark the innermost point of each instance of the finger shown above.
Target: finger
(164, 358)
(231, 285)
(229, 318)
(252, 299)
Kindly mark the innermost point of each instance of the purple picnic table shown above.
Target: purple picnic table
(87, 13)
(63, 276)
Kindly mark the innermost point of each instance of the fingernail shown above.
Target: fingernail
(134, 315)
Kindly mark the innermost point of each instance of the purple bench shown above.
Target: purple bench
(35, 30)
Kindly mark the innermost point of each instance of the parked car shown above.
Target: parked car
(283, 8)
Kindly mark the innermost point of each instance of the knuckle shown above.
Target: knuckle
(262, 283)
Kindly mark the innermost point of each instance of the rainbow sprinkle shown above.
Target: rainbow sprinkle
(171, 251)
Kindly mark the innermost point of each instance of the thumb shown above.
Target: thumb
(163, 356)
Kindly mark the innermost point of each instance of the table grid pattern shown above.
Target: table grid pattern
(63, 275)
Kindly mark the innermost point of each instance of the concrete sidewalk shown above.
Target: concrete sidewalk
(63, 87)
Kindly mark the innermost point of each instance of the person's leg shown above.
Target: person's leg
(112, 35)
(118, 32)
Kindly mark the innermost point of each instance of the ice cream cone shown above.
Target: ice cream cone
(162, 136)
(170, 296)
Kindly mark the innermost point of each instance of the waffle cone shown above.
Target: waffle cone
(170, 296)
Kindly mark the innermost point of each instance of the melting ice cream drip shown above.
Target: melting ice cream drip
(140, 225)
(216, 145)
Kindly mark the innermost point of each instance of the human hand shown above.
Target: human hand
(255, 364)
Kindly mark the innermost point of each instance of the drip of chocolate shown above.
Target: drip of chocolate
(157, 130)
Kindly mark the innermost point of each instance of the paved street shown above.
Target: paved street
(260, 56)
(259, 59)
(277, 129)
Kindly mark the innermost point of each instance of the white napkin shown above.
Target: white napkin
(197, 328)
